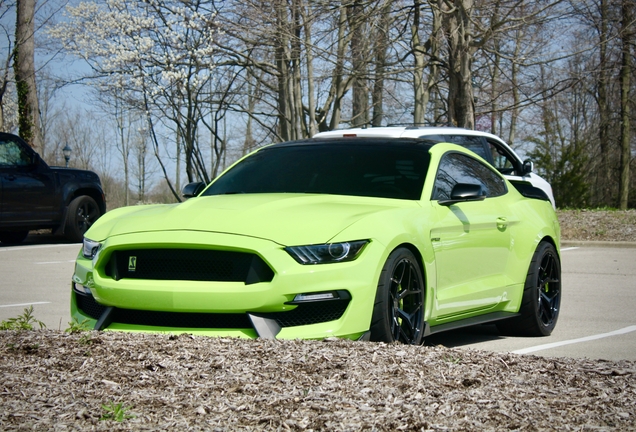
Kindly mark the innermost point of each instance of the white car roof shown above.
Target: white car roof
(412, 132)
(405, 132)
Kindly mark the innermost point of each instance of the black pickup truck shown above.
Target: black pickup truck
(34, 195)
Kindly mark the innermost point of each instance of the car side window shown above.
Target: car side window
(13, 155)
(500, 160)
(460, 168)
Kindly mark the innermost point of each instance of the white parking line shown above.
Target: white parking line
(567, 249)
(55, 262)
(574, 341)
(23, 304)
(20, 248)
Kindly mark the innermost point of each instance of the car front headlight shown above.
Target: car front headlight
(90, 248)
(327, 253)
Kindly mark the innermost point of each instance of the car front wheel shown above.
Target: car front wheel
(398, 312)
(82, 213)
(541, 296)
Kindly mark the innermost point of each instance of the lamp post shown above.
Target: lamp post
(66, 151)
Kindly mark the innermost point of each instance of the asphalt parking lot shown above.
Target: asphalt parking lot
(597, 317)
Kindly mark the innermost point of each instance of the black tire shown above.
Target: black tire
(83, 211)
(398, 312)
(541, 296)
(13, 237)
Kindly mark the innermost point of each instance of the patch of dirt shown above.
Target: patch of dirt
(598, 225)
(57, 381)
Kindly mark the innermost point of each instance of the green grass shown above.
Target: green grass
(117, 412)
(26, 321)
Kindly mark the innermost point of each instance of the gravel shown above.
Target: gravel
(52, 380)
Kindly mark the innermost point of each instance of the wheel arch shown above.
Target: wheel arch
(418, 256)
(97, 195)
(428, 273)
(549, 239)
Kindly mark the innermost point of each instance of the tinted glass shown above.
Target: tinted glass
(364, 168)
(472, 143)
(502, 161)
(12, 154)
(459, 168)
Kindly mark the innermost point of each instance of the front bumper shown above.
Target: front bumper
(228, 308)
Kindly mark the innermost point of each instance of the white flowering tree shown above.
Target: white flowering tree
(158, 56)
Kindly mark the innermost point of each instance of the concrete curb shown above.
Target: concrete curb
(605, 244)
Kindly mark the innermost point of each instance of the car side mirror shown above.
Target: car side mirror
(463, 192)
(528, 167)
(193, 189)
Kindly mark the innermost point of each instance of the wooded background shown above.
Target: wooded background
(174, 91)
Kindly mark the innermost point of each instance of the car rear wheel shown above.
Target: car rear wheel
(82, 213)
(13, 237)
(398, 312)
(541, 296)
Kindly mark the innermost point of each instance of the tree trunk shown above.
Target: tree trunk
(24, 68)
(457, 26)
(419, 89)
(338, 87)
(603, 178)
(312, 127)
(625, 83)
(514, 72)
(360, 109)
(380, 48)
(283, 72)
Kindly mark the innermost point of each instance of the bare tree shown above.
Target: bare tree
(161, 54)
(24, 69)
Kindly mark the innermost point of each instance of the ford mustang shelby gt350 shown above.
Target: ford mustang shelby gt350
(361, 238)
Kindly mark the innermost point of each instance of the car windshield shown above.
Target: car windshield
(371, 168)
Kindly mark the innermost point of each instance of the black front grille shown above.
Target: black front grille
(310, 313)
(304, 314)
(188, 264)
(87, 304)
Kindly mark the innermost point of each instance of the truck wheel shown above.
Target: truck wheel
(82, 213)
(13, 237)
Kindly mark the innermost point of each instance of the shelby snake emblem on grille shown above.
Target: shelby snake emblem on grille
(132, 263)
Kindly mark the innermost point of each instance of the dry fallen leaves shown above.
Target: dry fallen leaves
(57, 381)
(598, 225)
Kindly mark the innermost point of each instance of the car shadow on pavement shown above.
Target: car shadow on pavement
(464, 336)
(40, 237)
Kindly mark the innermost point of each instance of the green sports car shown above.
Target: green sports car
(361, 238)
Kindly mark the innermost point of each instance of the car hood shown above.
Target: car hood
(287, 219)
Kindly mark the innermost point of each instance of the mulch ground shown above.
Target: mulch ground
(50, 380)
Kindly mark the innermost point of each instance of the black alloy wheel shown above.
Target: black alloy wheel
(398, 313)
(83, 211)
(549, 289)
(541, 301)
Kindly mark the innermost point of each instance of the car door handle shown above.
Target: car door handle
(502, 223)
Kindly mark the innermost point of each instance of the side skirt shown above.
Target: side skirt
(481, 319)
